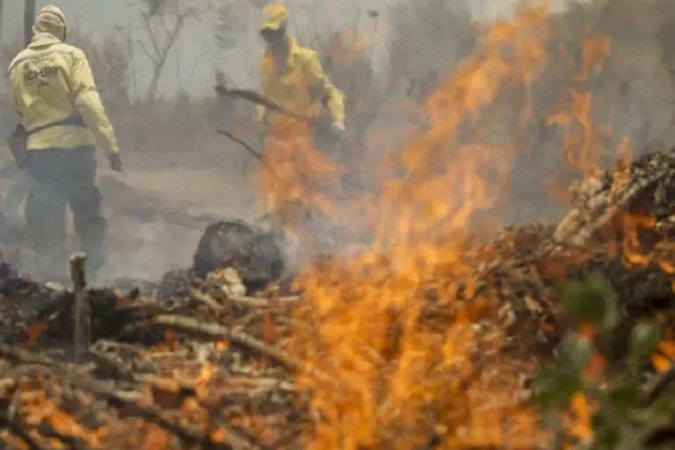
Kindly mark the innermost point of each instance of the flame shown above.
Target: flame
(583, 140)
(155, 438)
(37, 406)
(296, 177)
(222, 345)
(667, 266)
(594, 54)
(661, 363)
(404, 359)
(582, 143)
(663, 359)
(621, 174)
(206, 374)
(579, 421)
(631, 225)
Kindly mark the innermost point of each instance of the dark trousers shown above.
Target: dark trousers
(62, 178)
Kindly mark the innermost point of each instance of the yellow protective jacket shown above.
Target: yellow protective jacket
(301, 86)
(52, 81)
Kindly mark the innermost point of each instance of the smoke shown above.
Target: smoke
(605, 88)
(150, 251)
(388, 63)
(388, 57)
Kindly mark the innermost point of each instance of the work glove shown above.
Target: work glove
(115, 162)
(221, 90)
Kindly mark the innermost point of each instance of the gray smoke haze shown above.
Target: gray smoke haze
(182, 175)
(193, 61)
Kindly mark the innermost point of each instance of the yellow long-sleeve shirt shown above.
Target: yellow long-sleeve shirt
(301, 86)
(52, 81)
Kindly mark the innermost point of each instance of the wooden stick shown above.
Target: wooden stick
(81, 308)
(213, 330)
(259, 99)
(241, 142)
(127, 402)
(195, 327)
(254, 302)
(263, 302)
(206, 299)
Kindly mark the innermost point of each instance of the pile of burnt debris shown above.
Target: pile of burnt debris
(200, 359)
(189, 362)
(620, 228)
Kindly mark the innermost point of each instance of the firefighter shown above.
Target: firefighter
(302, 170)
(292, 76)
(60, 109)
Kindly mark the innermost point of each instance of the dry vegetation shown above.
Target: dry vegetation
(443, 329)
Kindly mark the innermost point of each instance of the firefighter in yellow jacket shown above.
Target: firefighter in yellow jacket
(292, 77)
(298, 176)
(60, 109)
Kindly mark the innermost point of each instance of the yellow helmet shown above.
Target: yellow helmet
(274, 17)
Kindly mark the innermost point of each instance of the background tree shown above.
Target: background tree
(2, 4)
(28, 18)
(163, 23)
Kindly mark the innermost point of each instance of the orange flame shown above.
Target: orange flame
(403, 363)
(583, 139)
(596, 49)
(631, 225)
(579, 422)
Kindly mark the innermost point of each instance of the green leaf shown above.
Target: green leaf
(591, 302)
(598, 422)
(556, 386)
(644, 339)
(576, 352)
(605, 437)
(625, 394)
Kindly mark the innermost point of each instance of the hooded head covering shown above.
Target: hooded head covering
(274, 17)
(50, 19)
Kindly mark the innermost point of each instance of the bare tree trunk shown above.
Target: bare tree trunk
(28, 18)
(157, 72)
(2, 4)
(162, 41)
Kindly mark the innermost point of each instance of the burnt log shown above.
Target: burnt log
(253, 253)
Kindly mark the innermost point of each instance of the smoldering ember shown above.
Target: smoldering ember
(421, 224)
